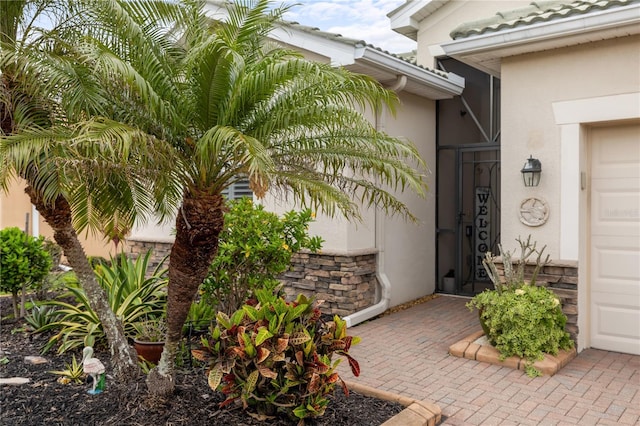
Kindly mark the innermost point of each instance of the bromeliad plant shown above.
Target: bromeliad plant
(273, 356)
(519, 317)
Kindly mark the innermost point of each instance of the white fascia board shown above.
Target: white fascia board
(453, 84)
(340, 54)
(626, 19)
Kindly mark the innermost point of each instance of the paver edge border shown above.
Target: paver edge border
(466, 348)
(416, 413)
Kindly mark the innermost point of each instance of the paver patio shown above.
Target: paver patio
(406, 353)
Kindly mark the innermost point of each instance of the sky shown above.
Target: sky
(359, 19)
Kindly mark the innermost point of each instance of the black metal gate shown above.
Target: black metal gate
(468, 220)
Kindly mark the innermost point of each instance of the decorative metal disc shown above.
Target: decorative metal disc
(533, 211)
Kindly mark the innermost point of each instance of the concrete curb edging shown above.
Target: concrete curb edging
(416, 413)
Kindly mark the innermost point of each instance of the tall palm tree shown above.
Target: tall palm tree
(218, 102)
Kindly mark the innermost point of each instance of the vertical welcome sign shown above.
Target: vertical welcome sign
(482, 240)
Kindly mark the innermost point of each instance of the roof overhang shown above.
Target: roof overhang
(405, 19)
(485, 51)
(383, 66)
(387, 69)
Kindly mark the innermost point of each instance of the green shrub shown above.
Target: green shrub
(133, 296)
(24, 263)
(276, 357)
(254, 248)
(519, 317)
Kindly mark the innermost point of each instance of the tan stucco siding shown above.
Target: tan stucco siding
(530, 85)
(14, 208)
(410, 247)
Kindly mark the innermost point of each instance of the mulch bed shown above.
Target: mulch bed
(46, 401)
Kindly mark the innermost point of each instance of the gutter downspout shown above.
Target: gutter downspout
(35, 221)
(381, 276)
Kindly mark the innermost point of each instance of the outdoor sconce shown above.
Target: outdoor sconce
(531, 172)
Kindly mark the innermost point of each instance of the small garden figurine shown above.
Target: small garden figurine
(94, 368)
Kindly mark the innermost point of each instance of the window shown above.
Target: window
(238, 190)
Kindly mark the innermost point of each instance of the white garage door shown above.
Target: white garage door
(615, 238)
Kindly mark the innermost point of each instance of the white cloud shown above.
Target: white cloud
(359, 19)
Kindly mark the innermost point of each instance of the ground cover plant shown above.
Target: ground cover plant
(134, 294)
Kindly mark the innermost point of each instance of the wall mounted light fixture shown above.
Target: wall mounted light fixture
(531, 172)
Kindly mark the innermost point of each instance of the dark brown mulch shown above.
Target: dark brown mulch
(46, 401)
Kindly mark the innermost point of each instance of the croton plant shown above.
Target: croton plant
(274, 356)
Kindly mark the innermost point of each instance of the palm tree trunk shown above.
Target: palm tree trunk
(198, 225)
(58, 216)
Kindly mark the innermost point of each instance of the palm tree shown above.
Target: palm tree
(34, 102)
(218, 103)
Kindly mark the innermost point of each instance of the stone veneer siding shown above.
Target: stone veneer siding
(345, 281)
(135, 248)
(561, 277)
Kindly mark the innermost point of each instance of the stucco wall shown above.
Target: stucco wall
(409, 248)
(530, 85)
(406, 249)
(436, 28)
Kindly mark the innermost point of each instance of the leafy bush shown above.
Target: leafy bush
(24, 263)
(254, 248)
(276, 357)
(133, 296)
(518, 317)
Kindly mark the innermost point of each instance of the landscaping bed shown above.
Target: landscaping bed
(46, 401)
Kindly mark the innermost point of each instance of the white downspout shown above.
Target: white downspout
(381, 276)
(35, 221)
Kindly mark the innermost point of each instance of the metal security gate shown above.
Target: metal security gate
(468, 216)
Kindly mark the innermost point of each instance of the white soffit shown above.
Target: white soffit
(366, 59)
(485, 51)
(405, 19)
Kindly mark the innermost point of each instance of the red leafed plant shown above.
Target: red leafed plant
(276, 357)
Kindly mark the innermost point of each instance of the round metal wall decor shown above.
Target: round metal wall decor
(533, 211)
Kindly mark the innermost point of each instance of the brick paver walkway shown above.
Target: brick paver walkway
(406, 353)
